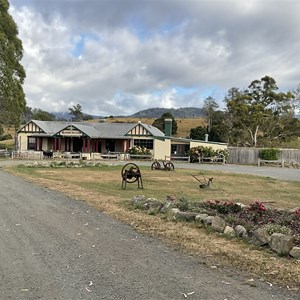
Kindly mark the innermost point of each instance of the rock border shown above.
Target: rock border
(282, 244)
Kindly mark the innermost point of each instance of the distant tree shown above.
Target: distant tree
(87, 117)
(12, 73)
(27, 114)
(160, 122)
(38, 114)
(287, 130)
(198, 133)
(258, 110)
(219, 131)
(209, 107)
(76, 112)
(296, 93)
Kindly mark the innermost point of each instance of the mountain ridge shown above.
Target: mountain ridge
(156, 112)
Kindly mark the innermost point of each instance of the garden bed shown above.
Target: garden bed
(254, 219)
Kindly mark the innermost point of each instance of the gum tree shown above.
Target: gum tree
(12, 73)
(259, 110)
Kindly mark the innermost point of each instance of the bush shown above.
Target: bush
(276, 228)
(224, 207)
(203, 151)
(269, 154)
(137, 150)
(5, 137)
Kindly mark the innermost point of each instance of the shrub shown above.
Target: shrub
(5, 137)
(137, 150)
(224, 207)
(183, 204)
(276, 228)
(297, 213)
(269, 154)
(222, 153)
(203, 151)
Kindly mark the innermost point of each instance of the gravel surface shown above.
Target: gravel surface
(53, 247)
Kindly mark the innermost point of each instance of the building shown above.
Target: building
(92, 140)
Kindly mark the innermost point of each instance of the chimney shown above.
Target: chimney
(168, 127)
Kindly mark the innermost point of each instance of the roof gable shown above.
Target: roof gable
(70, 130)
(31, 127)
(141, 129)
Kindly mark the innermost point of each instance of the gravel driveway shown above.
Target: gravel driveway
(53, 247)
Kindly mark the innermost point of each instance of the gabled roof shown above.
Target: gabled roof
(145, 130)
(93, 130)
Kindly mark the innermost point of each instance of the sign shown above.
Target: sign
(71, 133)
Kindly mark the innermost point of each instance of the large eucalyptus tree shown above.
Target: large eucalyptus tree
(260, 111)
(12, 73)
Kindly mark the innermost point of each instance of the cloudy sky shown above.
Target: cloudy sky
(116, 57)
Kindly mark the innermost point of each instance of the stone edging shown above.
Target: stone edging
(280, 243)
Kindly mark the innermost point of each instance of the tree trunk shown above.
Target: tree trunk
(254, 136)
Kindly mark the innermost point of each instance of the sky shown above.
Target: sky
(117, 57)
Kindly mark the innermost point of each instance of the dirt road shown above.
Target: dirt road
(53, 247)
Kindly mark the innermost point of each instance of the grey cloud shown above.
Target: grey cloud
(147, 46)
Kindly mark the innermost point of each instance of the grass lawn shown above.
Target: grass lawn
(101, 188)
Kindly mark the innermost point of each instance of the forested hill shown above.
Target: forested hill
(184, 112)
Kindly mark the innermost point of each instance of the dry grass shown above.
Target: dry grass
(8, 143)
(101, 188)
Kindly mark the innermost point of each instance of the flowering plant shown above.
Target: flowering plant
(207, 151)
(297, 213)
(224, 207)
(138, 150)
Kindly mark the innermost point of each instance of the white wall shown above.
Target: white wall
(161, 149)
(215, 146)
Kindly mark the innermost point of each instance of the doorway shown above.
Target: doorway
(110, 145)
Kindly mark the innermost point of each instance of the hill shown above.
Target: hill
(184, 124)
(184, 112)
(68, 116)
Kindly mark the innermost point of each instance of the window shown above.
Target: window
(179, 149)
(144, 143)
(174, 149)
(31, 143)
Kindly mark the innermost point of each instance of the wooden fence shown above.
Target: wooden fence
(249, 156)
(5, 153)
